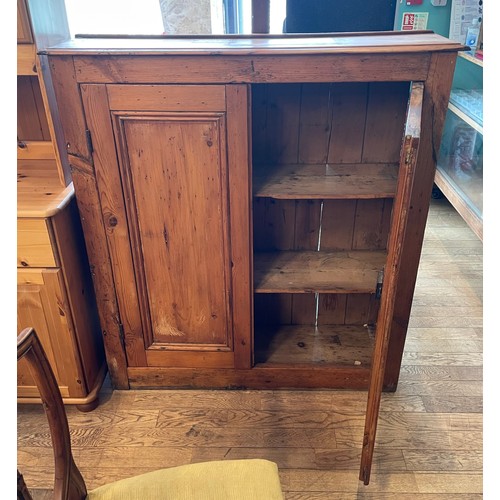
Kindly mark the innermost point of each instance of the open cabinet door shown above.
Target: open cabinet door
(408, 161)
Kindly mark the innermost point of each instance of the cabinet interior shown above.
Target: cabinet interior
(325, 165)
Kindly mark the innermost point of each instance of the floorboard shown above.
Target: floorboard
(429, 440)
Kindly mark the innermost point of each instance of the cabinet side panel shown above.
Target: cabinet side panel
(80, 293)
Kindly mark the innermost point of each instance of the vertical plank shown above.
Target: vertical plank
(337, 225)
(307, 224)
(361, 308)
(348, 122)
(240, 201)
(283, 117)
(259, 123)
(303, 309)
(112, 204)
(385, 116)
(371, 225)
(315, 123)
(273, 224)
(434, 107)
(332, 309)
(101, 270)
(307, 231)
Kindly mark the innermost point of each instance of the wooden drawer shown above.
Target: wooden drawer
(42, 304)
(34, 245)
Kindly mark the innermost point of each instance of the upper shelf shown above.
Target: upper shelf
(339, 181)
(468, 105)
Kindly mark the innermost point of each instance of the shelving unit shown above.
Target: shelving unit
(54, 293)
(459, 173)
(321, 217)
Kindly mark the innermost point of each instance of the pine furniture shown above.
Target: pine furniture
(55, 292)
(254, 206)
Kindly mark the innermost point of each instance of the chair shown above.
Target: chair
(252, 479)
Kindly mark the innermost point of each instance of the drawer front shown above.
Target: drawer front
(34, 246)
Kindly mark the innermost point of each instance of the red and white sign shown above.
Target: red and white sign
(414, 21)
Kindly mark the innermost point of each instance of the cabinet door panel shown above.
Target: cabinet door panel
(392, 272)
(176, 194)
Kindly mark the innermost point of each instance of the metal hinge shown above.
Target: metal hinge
(88, 136)
(380, 282)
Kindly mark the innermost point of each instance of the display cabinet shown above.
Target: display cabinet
(459, 173)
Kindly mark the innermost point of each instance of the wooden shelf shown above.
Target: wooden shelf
(309, 272)
(39, 190)
(460, 201)
(342, 345)
(339, 181)
(466, 118)
(471, 58)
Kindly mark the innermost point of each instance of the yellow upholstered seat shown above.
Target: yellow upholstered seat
(239, 479)
(252, 479)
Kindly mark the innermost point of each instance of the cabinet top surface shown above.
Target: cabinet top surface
(355, 43)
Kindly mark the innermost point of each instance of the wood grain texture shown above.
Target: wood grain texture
(174, 241)
(402, 204)
(46, 307)
(257, 69)
(431, 444)
(308, 272)
(34, 243)
(39, 190)
(26, 59)
(240, 220)
(326, 181)
(167, 97)
(115, 219)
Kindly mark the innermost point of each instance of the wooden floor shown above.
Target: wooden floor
(429, 441)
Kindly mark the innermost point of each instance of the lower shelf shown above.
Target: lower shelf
(327, 345)
(460, 201)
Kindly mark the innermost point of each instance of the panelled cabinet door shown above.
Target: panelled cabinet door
(167, 172)
(392, 275)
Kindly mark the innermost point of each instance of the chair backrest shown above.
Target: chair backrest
(68, 481)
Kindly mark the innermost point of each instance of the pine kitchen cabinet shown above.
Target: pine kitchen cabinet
(254, 206)
(55, 294)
